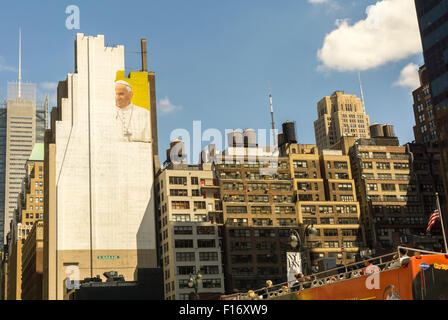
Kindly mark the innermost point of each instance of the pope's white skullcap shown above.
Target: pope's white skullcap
(124, 83)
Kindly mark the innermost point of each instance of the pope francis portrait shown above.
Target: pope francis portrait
(132, 122)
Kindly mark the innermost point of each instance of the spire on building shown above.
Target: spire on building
(19, 95)
(362, 94)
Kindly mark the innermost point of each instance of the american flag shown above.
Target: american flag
(432, 219)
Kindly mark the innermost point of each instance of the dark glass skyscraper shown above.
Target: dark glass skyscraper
(433, 23)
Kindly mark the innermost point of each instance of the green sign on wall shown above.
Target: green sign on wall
(108, 257)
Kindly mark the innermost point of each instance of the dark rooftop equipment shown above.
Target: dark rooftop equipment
(376, 130)
(281, 139)
(388, 130)
(289, 132)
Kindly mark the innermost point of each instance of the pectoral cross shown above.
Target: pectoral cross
(128, 135)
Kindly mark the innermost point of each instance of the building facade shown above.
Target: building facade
(190, 222)
(326, 199)
(29, 210)
(99, 197)
(393, 208)
(32, 263)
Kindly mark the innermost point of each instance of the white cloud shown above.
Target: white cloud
(317, 1)
(388, 33)
(409, 77)
(49, 85)
(4, 67)
(165, 106)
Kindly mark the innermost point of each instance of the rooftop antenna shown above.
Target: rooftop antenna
(272, 114)
(20, 64)
(272, 109)
(362, 94)
(46, 111)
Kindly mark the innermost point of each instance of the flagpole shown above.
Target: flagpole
(441, 221)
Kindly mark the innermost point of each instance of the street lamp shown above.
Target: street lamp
(296, 241)
(193, 282)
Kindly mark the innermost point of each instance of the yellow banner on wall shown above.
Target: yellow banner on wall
(140, 87)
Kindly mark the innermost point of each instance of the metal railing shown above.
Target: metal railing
(350, 271)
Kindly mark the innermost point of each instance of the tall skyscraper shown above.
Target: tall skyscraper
(432, 18)
(340, 115)
(20, 138)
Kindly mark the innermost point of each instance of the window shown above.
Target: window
(309, 210)
(178, 180)
(211, 283)
(331, 232)
(383, 165)
(208, 256)
(258, 198)
(340, 165)
(327, 220)
(185, 256)
(206, 243)
(350, 233)
(261, 210)
(345, 186)
(183, 230)
(235, 186)
(234, 198)
(379, 155)
(331, 244)
(205, 230)
(264, 233)
(199, 205)
(299, 164)
(200, 217)
(210, 269)
(178, 192)
(185, 270)
(232, 209)
(194, 180)
(372, 187)
(239, 233)
(181, 217)
(183, 243)
(402, 176)
(180, 205)
(384, 176)
(367, 165)
(348, 221)
(401, 166)
(325, 209)
(387, 187)
(183, 283)
(339, 175)
(284, 187)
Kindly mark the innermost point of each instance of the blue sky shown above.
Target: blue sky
(214, 59)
